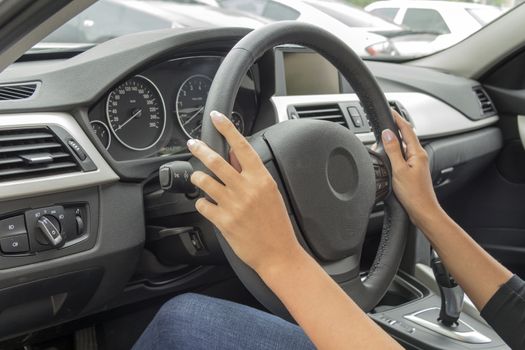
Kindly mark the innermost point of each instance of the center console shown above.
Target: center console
(412, 318)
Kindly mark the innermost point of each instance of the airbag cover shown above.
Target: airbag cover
(329, 177)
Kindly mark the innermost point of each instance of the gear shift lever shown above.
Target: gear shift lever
(451, 293)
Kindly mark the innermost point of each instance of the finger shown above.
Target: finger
(212, 187)
(235, 162)
(408, 133)
(393, 150)
(246, 155)
(218, 165)
(209, 210)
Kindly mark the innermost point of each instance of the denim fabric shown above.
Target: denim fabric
(193, 321)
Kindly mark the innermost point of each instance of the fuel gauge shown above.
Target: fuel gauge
(238, 121)
(102, 132)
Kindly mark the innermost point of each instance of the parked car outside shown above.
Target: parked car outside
(384, 38)
(107, 19)
(358, 36)
(449, 21)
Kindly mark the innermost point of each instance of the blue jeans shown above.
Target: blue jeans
(192, 321)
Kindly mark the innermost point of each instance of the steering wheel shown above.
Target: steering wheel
(329, 179)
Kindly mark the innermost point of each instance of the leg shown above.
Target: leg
(193, 321)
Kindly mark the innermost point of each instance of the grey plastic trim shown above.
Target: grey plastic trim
(472, 336)
(431, 117)
(55, 183)
(521, 129)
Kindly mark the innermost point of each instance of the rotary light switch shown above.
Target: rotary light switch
(50, 227)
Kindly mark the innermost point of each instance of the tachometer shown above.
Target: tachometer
(136, 113)
(190, 103)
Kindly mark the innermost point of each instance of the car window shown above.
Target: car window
(425, 20)
(388, 13)
(279, 12)
(366, 25)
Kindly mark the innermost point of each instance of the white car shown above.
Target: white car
(314, 12)
(107, 19)
(450, 21)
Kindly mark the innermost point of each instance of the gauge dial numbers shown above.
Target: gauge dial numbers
(102, 132)
(136, 113)
(191, 99)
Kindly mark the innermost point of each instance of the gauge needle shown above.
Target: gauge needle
(195, 129)
(137, 113)
(193, 116)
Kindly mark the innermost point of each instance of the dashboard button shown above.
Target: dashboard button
(12, 226)
(356, 116)
(15, 244)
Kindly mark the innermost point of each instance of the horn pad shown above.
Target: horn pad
(329, 177)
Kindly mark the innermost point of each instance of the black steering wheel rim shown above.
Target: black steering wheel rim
(366, 292)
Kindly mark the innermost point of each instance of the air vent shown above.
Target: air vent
(33, 152)
(487, 107)
(17, 91)
(329, 112)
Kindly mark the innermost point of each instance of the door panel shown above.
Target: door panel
(492, 207)
(492, 210)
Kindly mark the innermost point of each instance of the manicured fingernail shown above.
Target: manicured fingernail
(388, 136)
(216, 116)
(192, 143)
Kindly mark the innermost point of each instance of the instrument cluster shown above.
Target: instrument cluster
(153, 113)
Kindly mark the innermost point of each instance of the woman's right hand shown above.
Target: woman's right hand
(412, 182)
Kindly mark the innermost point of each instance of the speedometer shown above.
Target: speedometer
(136, 113)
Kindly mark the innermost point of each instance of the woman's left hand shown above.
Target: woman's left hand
(249, 210)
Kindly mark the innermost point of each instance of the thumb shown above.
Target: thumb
(392, 148)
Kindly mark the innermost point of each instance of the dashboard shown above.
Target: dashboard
(117, 112)
(153, 112)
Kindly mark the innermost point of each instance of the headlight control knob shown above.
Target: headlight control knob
(50, 227)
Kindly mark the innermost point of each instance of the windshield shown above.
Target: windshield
(390, 29)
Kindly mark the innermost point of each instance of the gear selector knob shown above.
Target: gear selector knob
(452, 295)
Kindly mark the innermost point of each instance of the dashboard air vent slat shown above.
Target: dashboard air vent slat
(17, 91)
(486, 105)
(330, 112)
(29, 147)
(47, 167)
(33, 152)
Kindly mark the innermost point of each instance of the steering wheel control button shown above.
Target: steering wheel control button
(12, 226)
(15, 244)
(381, 175)
(175, 177)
